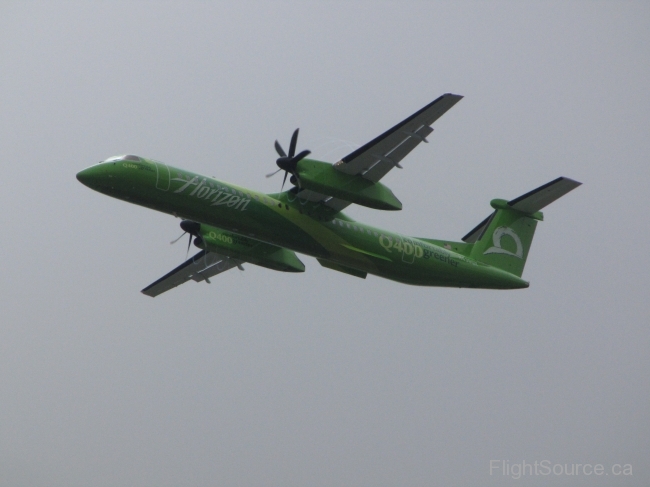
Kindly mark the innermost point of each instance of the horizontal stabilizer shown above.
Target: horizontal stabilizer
(529, 203)
(538, 198)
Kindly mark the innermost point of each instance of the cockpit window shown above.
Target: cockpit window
(127, 157)
(114, 158)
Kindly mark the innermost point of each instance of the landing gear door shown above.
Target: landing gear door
(162, 178)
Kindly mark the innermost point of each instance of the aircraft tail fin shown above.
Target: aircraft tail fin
(503, 239)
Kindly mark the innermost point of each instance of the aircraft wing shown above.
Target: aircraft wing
(381, 154)
(373, 160)
(198, 268)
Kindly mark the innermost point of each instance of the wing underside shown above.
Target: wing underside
(199, 268)
(376, 158)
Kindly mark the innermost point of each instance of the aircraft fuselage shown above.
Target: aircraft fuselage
(285, 221)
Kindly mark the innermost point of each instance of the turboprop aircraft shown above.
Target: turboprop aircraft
(233, 225)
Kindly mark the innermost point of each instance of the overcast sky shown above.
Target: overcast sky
(265, 378)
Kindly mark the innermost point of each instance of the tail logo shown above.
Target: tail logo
(498, 234)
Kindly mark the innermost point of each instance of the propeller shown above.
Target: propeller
(191, 228)
(194, 229)
(289, 163)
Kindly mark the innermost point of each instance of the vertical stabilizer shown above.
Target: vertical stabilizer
(503, 239)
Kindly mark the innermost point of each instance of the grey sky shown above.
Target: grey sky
(264, 378)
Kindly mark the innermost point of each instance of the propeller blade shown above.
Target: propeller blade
(289, 163)
(273, 173)
(298, 180)
(294, 140)
(189, 242)
(279, 150)
(284, 180)
(302, 155)
(176, 240)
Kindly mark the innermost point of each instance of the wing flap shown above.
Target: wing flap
(198, 268)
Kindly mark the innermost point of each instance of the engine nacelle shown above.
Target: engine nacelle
(243, 248)
(323, 178)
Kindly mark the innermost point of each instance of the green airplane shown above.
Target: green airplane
(233, 225)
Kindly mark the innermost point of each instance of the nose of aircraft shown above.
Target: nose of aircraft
(92, 176)
(85, 176)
